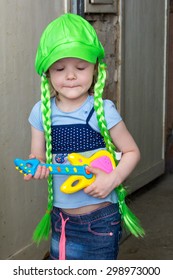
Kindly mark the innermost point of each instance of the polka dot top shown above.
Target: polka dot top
(76, 138)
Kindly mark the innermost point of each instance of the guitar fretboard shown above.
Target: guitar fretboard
(30, 166)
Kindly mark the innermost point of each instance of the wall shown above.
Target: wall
(107, 27)
(21, 204)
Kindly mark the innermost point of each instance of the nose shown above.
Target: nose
(71, 75)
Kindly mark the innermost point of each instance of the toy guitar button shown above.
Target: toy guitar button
(88, 172)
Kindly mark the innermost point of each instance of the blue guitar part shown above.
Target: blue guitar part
(30, 166)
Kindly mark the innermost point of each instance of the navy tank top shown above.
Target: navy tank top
(76, 138)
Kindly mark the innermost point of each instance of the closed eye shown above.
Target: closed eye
(59, 69)
(81, 68)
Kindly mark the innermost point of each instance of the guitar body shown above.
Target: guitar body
(79, 178)
(101, 159)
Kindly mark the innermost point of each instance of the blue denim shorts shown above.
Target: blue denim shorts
(92, 236)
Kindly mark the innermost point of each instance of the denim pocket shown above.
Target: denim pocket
(105, 226)
(116, 219)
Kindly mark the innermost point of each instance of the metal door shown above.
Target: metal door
(143, 82)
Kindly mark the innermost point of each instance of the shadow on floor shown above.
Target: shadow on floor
(153, 205)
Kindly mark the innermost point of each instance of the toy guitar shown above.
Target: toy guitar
(80, 177)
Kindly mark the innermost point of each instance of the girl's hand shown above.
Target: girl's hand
(103, 184)
(41, 173)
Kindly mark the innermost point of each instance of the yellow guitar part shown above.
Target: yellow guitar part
(101, 159)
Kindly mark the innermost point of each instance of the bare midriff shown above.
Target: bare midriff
(86, 209)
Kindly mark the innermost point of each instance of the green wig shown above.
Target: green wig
(72, 36)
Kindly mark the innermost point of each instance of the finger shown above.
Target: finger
(92, 170)
(47, 172)
(43, 172)
(38, 173)
(94, 194)
(90, 189)
(27, 177)
(31, 156)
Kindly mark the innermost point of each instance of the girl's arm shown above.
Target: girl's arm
(105, 183)
(125, 143)
(38, 151)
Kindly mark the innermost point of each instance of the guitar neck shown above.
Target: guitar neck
(60, 169)
(30, 166)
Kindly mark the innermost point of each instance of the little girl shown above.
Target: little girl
(70, 118)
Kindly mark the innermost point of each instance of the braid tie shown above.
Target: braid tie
(130, 220)
(43, 228)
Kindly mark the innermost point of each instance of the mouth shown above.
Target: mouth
(72, 86)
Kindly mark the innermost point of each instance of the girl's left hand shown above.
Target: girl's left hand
(103, 184)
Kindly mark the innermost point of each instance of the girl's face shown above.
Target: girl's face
(71, 78)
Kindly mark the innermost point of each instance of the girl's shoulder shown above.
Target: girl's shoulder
(107, 103)
(111, 114)
(35, 117)
(37, 105)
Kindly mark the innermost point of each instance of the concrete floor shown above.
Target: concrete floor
(153, 205)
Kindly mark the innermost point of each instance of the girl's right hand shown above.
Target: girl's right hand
(41, 173)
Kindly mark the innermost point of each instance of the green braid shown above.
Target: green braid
(130, 220)
(43, 228)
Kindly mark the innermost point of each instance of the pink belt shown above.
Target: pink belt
(62, 242)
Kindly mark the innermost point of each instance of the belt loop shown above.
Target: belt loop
(62, 242)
